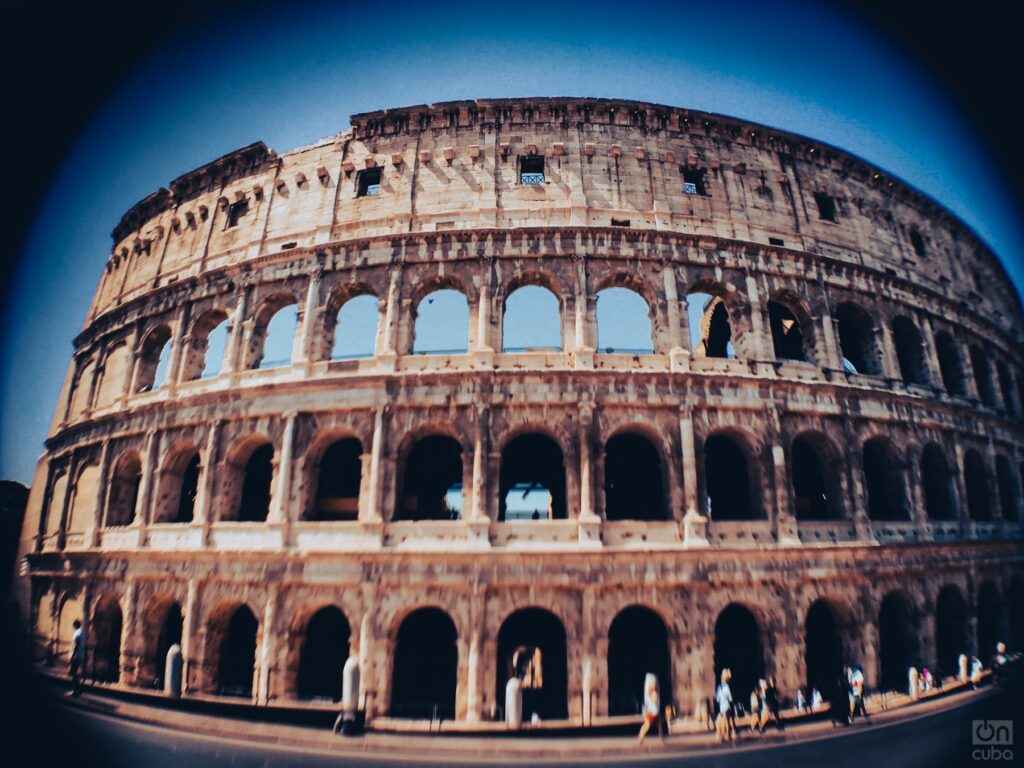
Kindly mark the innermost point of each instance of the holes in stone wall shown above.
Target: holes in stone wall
(278, 338)
(950, 629)
(816, 487)
(1009, 488)
(738, 648)
(325, 648)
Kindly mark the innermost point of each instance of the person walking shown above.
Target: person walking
(857, 691)
(723, 699)
(651, 708)
(772, 704)
(976, 669)
(755, 709)
(76, 660)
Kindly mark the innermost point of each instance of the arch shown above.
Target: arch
(441, 323)
(1009, 487)
(858, 340)
(275, 336)
(738, 648)
(950, 629)
(532, 479)
(82, 513)
(1006, 386)
(982, 375)
(204, 353)
(897, 641)
(909, 351)
(883, 480)
(633, 479)
(106, 640)
(353, 327)
(231, 649)
(339, 476)
(815, 478)
(153, 360)
(431, 479)
(114, 375)
(787, 330)
(823, 648)
(990, 624)
(531, 320)
(80, 401)
(322, 656)
(161, 627)
(58, 493)
(976, 486)
(426, 665)
(532, 646)
(179, 485)
(711, 330)
(728, 483)
(937, 482)
(637, 645)
(124, 489)
(951, 366)
(247, 480)
(623, 322)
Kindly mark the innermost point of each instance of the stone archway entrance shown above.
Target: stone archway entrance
(637, 645)
(237, 661)
(531, 645)
(325, 648)
(425, 667)
(106, 641)
(738, 648)
(823, 650)
(897, 641)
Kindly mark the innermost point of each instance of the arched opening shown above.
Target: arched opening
(154, 358)
(883, 481)
(425, 667)
(115, 371)
(80, 396)
(787, 334)
(976, 486)
(106, 641)
(325, 649)
(710, 329)
(637, 646)
(441, 326)
(937, 482)
(738, 648)
(236, 652)
(909, 351)
(989, 621)
(1009, 487)
(531, 646)
(950, 629)
(355, 329)
(982, 375)
(623, 322)
(83, 502)
(254, 500)
(189, 491)
(858, 341)
(816, 488)
(432, 481)
(278, 338)
(633, 479)
(823, 648)
(727, 480)
(1006, 386)
(950, 365)
(124, 489)
(532, 321)
(897, 638)
(1016, 608)
(338, 479)
(170, 634)
(208, 340)
(178, 486)
(532, 483)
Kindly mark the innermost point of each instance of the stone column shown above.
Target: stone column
(784, 523)
(387, 334)
(890, 361)
(584, 342)
(265, 666)
(761, 349)
(960, 489)
(282, 492)
(190, 651)
(484, 342)
(373, 511)
(369, 682)
(304, 347)
(203, 513)
(478, 510)
(65, 509)
(855, 468)
(918, 515)
(181, 321)
(128, 659)
(930, 353)
(474, 667)
(589, 522)
(92, 534)
(679, 348)
(236, 331)
(695, 524)
(590, 682)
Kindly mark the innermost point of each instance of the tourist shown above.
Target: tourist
(999, 664)
(816, 701)
(857, 691)
(755, 709)
(77, 658)
(801, 702)
(652, 708)
(771, 697)
(976, 669)
(723, 699)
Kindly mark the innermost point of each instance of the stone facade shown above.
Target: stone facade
(899, 407)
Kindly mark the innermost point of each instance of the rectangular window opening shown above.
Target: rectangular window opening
(693, 181)
(620, 222)
(826, 206)
(531, 170)
(368, 182)
(236, 211)
(776, 241)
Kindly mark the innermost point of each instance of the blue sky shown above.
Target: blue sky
(289, 76)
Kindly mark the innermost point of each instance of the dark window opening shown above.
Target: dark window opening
(170, 634)
(532, 483)
(236, 211)
(787, 335)
(815, 491)
(325, 649)
(426, 667)
(620, 222)
(1006, 386)
(693, 181)
(776, 241)
(983, 376)
(950, 630)
(637, 646)
(432, 482)
(727, 480)
(124, 492)
(826, 206)
(917, 241)
(712, 336)
(337, 490)
(857, 340)
(823, 649)
(532, 647)
(255, 502)
(1008, 487)
(189, 491)
(737, 647)
(531, 170)
(979, 505)
(897, 643)
(937, 481)
(237, 660)
(368, 182)
(950, 365)
(106, 637)
(989, 621)
(633, 480)
(909, 351)
(883, 481)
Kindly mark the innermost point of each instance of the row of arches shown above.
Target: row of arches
(534, 318)
(636, 480)
(532, 644)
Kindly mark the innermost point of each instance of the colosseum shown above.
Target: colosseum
(568, 389)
